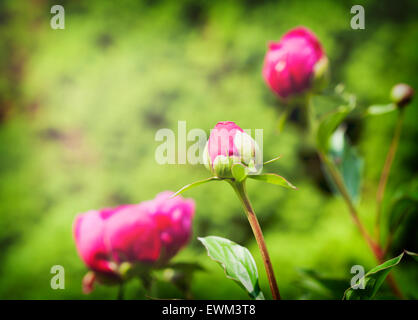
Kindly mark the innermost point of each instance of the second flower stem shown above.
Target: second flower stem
(374, 246)
(386, 171)
(339, 182)
(239, 188)
(336, 177)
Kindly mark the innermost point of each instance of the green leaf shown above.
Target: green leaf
(194, 184)
(401, 216)
(380, 109)
(348, 162)
(372, 280)
(239, 172)
(401, 207)
(237, 261)
(273, 179)
(328, 123)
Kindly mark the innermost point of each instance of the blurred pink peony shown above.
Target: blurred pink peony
(291, 64)
(149, 233)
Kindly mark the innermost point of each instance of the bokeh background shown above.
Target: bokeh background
(79, 109)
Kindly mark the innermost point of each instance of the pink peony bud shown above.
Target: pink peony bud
(295, 64)
(149, 233)
(228, 144)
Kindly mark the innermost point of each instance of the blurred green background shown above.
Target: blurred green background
(79, 109)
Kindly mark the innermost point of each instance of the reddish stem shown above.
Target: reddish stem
(255, 226)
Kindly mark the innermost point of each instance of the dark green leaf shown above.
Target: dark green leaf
(401, 207)
(400, 217)
(273, 179)
(237, 261)
(372, 281)
(328, 123)
(348, 162)
(318, 286)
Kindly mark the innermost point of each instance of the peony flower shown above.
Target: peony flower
(295, 64)
(147, 234)
(228, 144)
(173, 219)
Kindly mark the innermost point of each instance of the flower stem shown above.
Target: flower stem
(336, 176)
(239, 188)
(339, 182)
(374, 246)
(386, 171)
